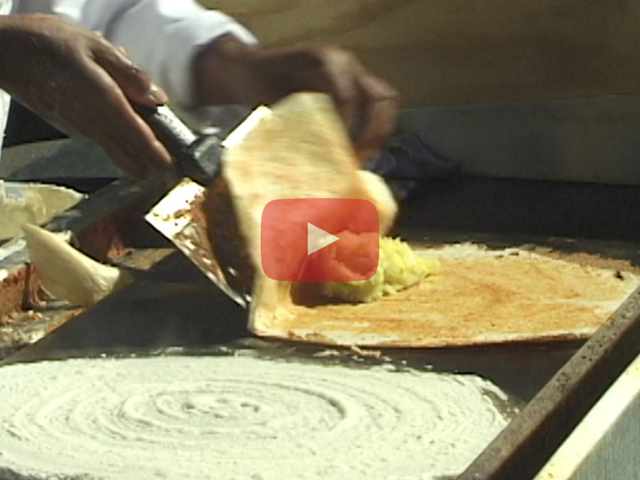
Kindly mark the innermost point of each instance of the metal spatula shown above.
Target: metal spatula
(197, 157)
(199, 161)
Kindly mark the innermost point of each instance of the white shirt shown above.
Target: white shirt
(161, 36)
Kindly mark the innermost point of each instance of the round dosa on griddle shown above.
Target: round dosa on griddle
(480, 297)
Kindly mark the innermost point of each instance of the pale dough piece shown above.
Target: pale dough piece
(69, 275)
(29, 203)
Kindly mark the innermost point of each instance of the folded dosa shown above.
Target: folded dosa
(299, 150)
(481, 296)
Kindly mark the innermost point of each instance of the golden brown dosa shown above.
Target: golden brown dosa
(300, 149)
(482, 296)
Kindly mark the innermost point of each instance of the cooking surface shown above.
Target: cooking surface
(174, 305)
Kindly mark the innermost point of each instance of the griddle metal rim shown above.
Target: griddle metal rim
(529, 441)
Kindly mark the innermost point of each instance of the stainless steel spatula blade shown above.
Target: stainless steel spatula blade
(174, 217)
(178, 215)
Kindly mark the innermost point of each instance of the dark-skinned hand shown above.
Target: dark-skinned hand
(228, 71)
(81, 84)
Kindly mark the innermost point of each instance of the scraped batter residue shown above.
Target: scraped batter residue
(240, 417)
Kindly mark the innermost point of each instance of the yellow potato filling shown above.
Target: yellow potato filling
(399, 267)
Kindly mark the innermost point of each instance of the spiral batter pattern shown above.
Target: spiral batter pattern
(244, 418)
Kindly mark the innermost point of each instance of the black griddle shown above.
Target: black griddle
(172, 305)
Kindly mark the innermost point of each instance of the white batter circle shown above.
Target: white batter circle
(239, 418)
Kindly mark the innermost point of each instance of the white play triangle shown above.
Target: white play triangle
(318, 238)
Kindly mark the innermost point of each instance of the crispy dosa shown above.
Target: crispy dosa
(481, 296)
(299, 150)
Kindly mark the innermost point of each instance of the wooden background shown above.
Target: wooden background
(448, 52)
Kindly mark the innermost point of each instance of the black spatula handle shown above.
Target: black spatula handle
(197, 158)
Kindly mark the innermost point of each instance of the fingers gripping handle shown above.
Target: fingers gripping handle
(198, 158)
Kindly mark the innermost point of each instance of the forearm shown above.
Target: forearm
(161, 36)
(5, 35)
(16, 31)
(229, 71)
(226, 71)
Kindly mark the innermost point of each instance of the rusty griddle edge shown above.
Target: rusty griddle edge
(528, 442)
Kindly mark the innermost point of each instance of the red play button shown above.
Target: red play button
(319, 240)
